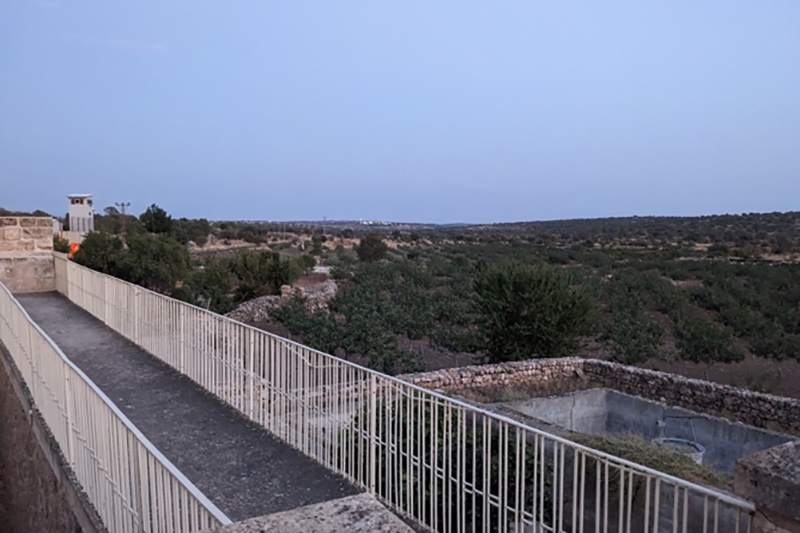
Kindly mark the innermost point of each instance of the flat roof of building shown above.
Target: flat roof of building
(78, 195)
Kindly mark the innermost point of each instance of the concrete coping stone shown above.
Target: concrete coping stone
(771, 478)
(362, 512)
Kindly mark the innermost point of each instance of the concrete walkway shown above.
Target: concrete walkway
(238, 465)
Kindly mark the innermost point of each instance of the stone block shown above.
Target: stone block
(9, 221)
(27, 222)
(33, 273)
(37, 233)
(45, 222)
(8, 246)
(45, 269)
(45, 284)
(771, 479)
(23, 285)
(12, 233)
(44, 244)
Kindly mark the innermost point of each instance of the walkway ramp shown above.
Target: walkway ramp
(238, 465)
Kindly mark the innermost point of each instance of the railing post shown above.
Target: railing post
(373, 433)
(34, 366)
(67, 287)
(136, 316)
(105, 300)
(250, 356)
(182, 338)
(68, 408)
(146, 517)
(137, 489)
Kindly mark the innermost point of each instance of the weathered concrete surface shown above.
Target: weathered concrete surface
(771, 479)
(354, 513)
(520, 380)
(37, 489)
(241, 467)
(583, 411)
(28, 272)
(603, 411)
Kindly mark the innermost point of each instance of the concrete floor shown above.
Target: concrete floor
(238, 465)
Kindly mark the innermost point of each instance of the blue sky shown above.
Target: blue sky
(434, 111)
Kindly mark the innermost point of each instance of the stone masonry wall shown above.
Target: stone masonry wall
(26, 234)
(37, 492)
(26, 248)
(507, 381)
(771, 478)
(550, 377)
(752, 408)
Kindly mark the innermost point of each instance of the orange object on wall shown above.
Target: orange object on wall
(73, 248)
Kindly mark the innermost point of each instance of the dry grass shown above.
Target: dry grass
(634, 448)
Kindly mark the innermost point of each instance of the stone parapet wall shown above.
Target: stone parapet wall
(507, 381)
(26, 234)
(26, 254)
(549, 377)
(755, 409)
(33, 273)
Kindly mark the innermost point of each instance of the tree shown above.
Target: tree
(317, 241)
(318, 329)
(529, 311)
(156, 262)
(101, 252)
(60, 245)
(156, 220)
(372, 248)
(209, 286)
(261, 273)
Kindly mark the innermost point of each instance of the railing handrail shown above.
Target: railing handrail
(704, 490)
(168, 465)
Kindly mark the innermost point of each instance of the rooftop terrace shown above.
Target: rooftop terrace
(172, 418)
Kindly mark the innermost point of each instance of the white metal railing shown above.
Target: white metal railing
(132, 486)
(444, 463)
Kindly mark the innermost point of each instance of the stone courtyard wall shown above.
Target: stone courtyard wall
(550, 377)
(770, 479)
(26, 254)
(755, 409)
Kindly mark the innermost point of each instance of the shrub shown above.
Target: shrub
(529, 311)
(372, 248)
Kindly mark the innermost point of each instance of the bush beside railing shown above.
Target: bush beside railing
(444, 463)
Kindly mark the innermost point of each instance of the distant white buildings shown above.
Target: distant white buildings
(81, 217)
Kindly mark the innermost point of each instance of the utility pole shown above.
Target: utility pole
(122, 206)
